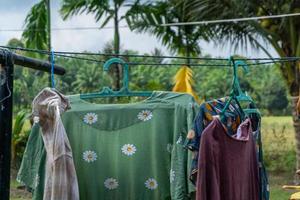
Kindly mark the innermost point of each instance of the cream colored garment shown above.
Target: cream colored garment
(61, 180)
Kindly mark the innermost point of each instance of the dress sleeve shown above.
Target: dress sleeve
(32, 161)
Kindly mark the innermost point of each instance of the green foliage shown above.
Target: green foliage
(264, 83)
(35, 34)
(279, 154)
(277, 95)
(104, 11)
(81, 76)
(147, 17)
(147, 77)
(19, 137)
(212, 82)
(279, 144)
(89, 79)
(269, 89)
(277, 193)
(14, 42)
(281, 33)
(27, 84)
(100, 8)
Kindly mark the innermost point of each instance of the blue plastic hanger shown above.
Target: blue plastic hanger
(52, 70)
(124, 91)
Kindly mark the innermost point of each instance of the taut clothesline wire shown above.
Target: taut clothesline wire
(230, 20)
(204, 22)
(137, 55)
(69, 55)
(102, 54)
(61, 28)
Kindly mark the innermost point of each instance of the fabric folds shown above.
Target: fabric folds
(60, 176)
(228, 169)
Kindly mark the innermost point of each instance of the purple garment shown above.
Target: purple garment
(228, 169)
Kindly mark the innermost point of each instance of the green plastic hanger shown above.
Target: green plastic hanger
(236, 92)
(240, 95)
(124, 91)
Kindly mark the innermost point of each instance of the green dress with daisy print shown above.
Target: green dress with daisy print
(122, 151)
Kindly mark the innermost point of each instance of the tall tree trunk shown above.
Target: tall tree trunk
(117, 70)
(294, 91)
(296, 124)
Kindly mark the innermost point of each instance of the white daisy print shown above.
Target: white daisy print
(128, 149)
(90, 118)
(151, 184)
(169, 148)
(89, 156)
(19, 180)
(179, 140)
(36, 119)
(36, 181)
(145, 115)
(172, 175)
(111, 183)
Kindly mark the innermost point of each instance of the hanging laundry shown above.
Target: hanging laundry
(123, 151)
(228, 168)
(205, 116)
(183, 82)
(60, 181)
(263, 176)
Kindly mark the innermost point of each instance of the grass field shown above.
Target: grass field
(278, 141)
(18, 194)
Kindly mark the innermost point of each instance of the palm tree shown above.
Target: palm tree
(283, 34)
(35, 34)
(89, 78)
(147, 17)
(105, 10)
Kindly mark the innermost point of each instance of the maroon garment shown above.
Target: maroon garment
(228, 168)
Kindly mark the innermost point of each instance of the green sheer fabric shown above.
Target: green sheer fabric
(122, 151)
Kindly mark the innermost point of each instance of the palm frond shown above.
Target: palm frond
(148, 17)
(35, 34)
(19, 122)
(98, 8)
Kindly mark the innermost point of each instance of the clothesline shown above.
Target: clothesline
(263, 61)
(61, 28)
(137, 55)
(206, 22)
(103, 54)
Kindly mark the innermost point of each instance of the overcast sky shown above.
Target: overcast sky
(13, 13)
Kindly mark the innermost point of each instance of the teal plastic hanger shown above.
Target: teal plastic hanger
(124, 91)
(240, 95)
(236, 92)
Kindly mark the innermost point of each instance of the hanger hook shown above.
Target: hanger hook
(120, 61)
(243, 64)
